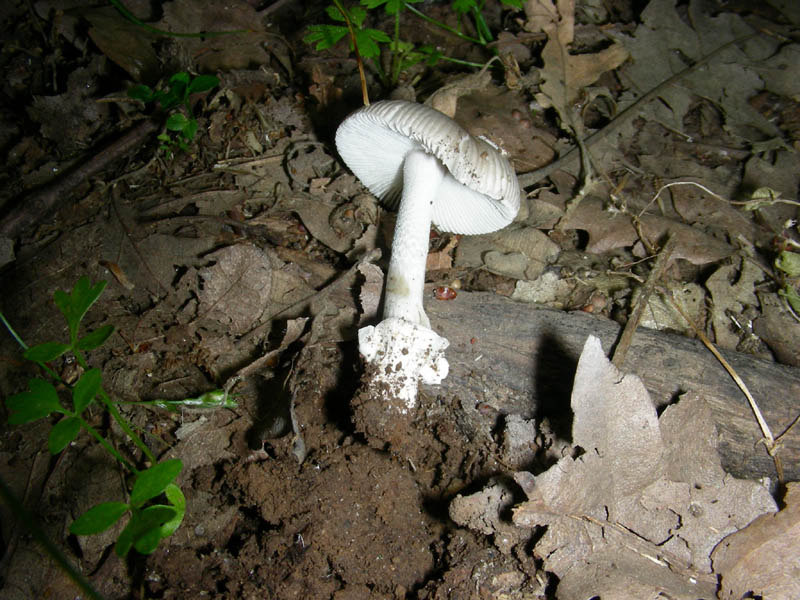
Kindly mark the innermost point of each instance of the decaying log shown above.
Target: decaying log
(521, 360)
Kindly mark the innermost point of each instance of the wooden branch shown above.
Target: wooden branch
(40, 203)
(522, 360)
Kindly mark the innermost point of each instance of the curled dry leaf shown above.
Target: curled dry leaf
(730, 299)
(520, 252)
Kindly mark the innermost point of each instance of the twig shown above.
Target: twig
(633, 541)
(676, 183)
(529, 179)
(635, 318)
(768, 440)
(444, 26)
(38, 204)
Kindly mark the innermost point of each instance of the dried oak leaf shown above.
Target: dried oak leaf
(245, 50)
(668, 40)
(565, 75)
(639, 511)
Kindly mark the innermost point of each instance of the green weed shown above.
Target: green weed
(370, 43)
(150, 520)
(788, 260)
(788, 263)
(173, 100)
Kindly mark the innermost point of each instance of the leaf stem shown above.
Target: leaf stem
(458, 61)
(110, 406)
(768, 439)
(31, 524)
(444, 26)
(12, 331)
(24, 346)
(107, 445)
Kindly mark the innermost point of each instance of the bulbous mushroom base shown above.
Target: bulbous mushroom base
(401, 354)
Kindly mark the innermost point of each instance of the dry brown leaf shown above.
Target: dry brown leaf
(608, 231)
(162, 252)
(581, 70)
(236, 288)
(565, 75)
(670, 37)
(125, 43)
(244, 50)
(641, 509)
(323, 88)
(616, 425)
(732, 288)
(763, 559)
(778, 328)
(502, 117)
(555, 19)
(371, 290)
(316, 216)
(662, 315)
(441, 259)
(615, 418)
(518, 251)
(445, 99)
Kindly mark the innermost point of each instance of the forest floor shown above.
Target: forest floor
(246, 262)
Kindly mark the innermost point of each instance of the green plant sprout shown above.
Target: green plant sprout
(788, 263)
(181, 124)
(209, 401)
(369, 42)
(788, 260)
(149, 521)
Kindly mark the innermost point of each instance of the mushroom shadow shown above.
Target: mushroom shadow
(553, 375)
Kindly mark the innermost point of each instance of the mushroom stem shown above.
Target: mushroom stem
(405, 280)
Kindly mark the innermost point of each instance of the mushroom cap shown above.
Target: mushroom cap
(479, 194)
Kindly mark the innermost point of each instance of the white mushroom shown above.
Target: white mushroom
(442, 175)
